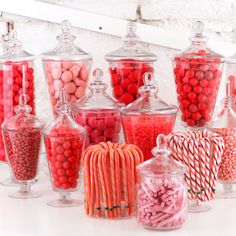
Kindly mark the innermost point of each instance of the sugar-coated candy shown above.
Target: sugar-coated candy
(197, 81)
(71, 75)
(64, 149)
(162, 203)
(15, 78)
(100, 126)
(23, 153)
(126, 78)
(142, 130)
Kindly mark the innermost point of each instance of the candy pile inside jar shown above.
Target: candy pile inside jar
(198, 72)
(128, 65)
(98, 113)
(67, 66)
(64, 141)
(161, 193)
(22, 138)
(16, 78)
(147, 117)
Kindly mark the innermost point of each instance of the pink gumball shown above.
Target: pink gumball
(84, 73)
(56, 73)
(67, 65)
(80, 82)
(58, 84)
(73, 98)
(70, 87)
(75, 70)
(80, 92)
(67, 76)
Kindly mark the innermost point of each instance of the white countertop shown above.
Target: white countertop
(33, 217)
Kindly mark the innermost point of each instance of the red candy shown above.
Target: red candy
(64, 148)
(100, 126)
(15, 78)
(143, 130)
(23, 152)
(126, 78)
(197, 81)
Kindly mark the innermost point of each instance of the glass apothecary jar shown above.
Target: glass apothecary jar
(16, 78)
(98, 113)
(22, 139)
(162, 198)
(66, 66)
(147, 117)
(64, 143)
(198, 72)
(127, 66)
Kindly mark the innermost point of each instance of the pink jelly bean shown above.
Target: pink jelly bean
(84, 74)
(80, 92)
(56, 73)
(70, 87)
(58, 84)
(67, 65)
(67, 76)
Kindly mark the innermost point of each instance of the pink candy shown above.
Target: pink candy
(162, 203)
(101, 126)
(73, 76)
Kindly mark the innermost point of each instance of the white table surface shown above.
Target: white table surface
(33, 217)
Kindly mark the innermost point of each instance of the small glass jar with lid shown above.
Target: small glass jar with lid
(127, 66)
(66, 66)
(22, 139)
(198, 72)
(147, 117)
(64, 143)
(98, 113)
(161, 191)
(225, 125)
(16, 78)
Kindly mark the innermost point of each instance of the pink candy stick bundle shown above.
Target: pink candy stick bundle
(201, 152)
(161, 203)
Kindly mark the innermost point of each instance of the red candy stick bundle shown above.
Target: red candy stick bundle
(147, 117)
(98, 113)
(127, 67)
(22, 138)
(198, 72)
(110, 178)
(16, 78)
(201, 152)
(64, 142)
(70, 72)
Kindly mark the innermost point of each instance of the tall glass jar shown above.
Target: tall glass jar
(22, 139)
(198, 72)
(66, 66)
(64, 143)
(147, 117)
(161, 191)
(98, 113)
(127, 66)
(225, 125)
(16, 78)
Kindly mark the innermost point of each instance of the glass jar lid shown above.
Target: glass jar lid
(66, 49)
(131, 48)
(149, 101)
(23, 120)
(198, 47)
(13, 50)
(161, 164)
(97, 98)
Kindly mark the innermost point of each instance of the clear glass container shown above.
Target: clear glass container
(16, 78)
(225, 125)
(66, 66)
(198, 72)
(147, 117)
(22, 139)
(231, 77)
(162, 197)
(98, 113)
(127, 66)
(64, 142)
